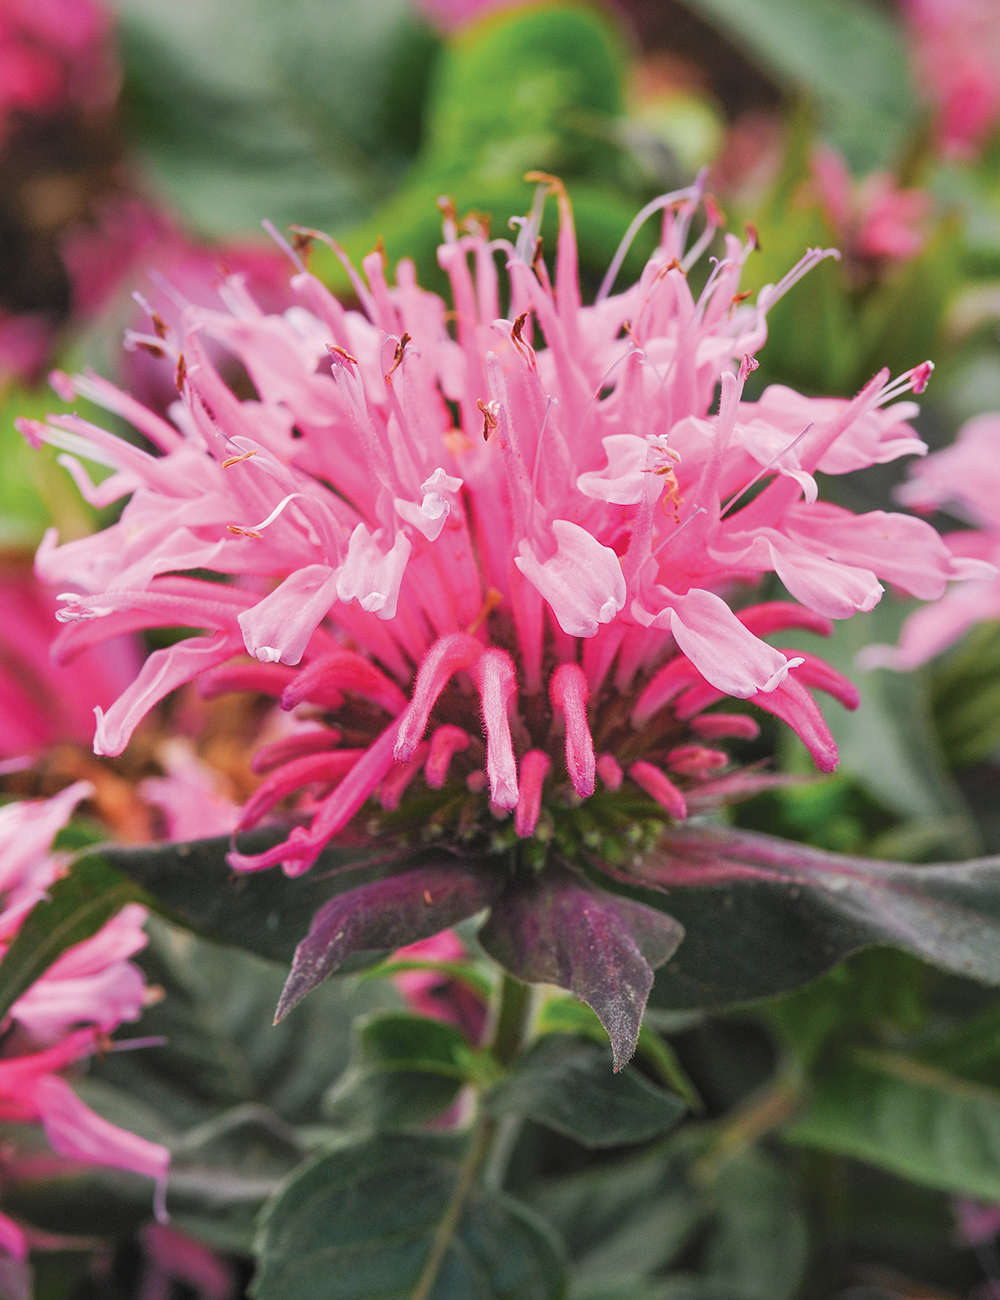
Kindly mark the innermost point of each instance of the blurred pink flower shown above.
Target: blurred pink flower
(42, 702)
(436, 993)
(189, 796)
(67, 1013)
(450, 15)
(872, 218)
(55, 54)
(965, 479)
(443, 505)
(173, 1256)
(956, 52)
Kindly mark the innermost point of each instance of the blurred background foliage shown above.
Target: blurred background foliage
(838, 1121)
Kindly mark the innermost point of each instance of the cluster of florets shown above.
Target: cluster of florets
(69, 1012)
(475, 567)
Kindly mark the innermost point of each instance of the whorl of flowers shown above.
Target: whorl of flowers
(68, 1013)
(503, 567)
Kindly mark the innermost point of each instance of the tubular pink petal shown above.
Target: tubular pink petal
(695, 760)
(675, 676)
(338, 808)
(569, 692)
(268, 757)
(162, 673)
(720, 726)
(394, 786)
(497, 683)
(792, 703)
(659, 787)
(818, 674)
(696, 698)
(446, 657)
(293, 776)
(263, 679)
(446, 741)
(325, 678)
(779, 615)
(74, 1130)
(535, 767)
(610, 771)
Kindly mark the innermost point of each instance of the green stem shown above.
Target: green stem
(508, 1034)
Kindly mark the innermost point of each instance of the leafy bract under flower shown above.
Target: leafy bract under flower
(503, 548)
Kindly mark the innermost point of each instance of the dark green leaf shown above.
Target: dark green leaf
(912, 1119)
(758, 1246)
(405, 1069)
(568, 1016)
(965, 694)
(848, 54)
(568, 1084)
(763, 915)
(623, 1222)
(76, 908)
(360, 1222)
(262, 911)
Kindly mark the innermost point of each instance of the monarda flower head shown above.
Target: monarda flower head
(496, 552)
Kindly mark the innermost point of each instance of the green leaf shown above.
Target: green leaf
(569, 1016)
(77, 907)
(965, 696)
(912, 1119)
(848, 54)
(264, 912)
(245, 109)
(567, 1083)
(889, 742)
(405, 1069)
(223, 1171)
(758, 1247)
(762, 915)
(222, 1047)
(361, 1222)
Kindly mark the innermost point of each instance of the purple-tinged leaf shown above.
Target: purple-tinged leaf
(764, 915)
(387, 914)
(559, 930)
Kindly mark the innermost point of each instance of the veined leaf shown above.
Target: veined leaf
(364, 1222)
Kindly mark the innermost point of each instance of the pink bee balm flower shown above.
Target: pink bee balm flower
(957, 60)
(964, 478)
(488, 558)
(438, 994)
(68, 1012)
(873, 219)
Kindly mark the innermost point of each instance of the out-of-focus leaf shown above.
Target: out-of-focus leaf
(264, 911)
(965, 696)
(568, 1016)
(762, 915)
(847, 54)
(623, 1222)
(536, 86)
(912, 1119)
(360, 1223)
(35, 491)
(222, 1047)
(567, 1083)
(77, 907)
(223, 1171)
(387, 914)
(557, 930)
(404, 1069)
(293, 111)
(889, 743)
(902, 322)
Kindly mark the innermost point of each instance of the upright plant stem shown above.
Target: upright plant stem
(508, 1034)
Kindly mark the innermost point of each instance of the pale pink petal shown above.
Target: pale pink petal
(582, 581)
(278, 628)
(372, 576)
